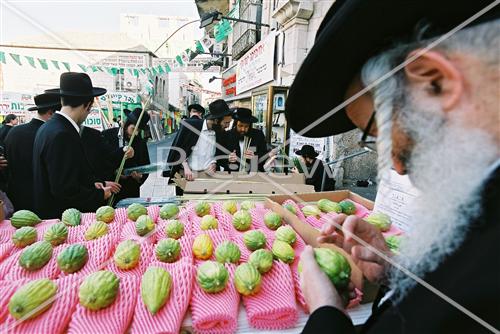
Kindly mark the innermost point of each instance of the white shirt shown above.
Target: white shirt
(77, 128)
(204, 151)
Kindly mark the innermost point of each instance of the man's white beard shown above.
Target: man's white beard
(448, 164)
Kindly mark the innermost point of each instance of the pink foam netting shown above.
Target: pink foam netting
(186, 240)
(6, 234)
(153, 212)
(216, 313)
(298, 248)
(195, 220)
(57, 317)
(77, 233)
(169, 318)
(7, 289)
(128, 232)
(88, 218)
(146, 257)
(273, 307)
(9, 262)
(113, 319)
(6, 250)
(50, 270)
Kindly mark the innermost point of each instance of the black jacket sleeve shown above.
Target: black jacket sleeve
(329, 320)
(65, 180)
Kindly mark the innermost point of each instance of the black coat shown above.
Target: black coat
(232, 143)
(130, 187)
(470, 277)
(19, 153)
(102, 156)
(314, 177)
(62, 176)
(4, 131)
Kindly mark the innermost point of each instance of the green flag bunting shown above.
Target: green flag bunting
(100, 68)
(129, 70)
(179, 60)
(199, 47)
(17, 58)
(2, 57)
(167, 68)
(143, 70)
(55, 63)
(153, 71)
(43, 63)
(83, 67)
(136, 72)
(122, 70)
(160, 69)
(68, 68)
(94, 68)
(31, 60)
(114, 70)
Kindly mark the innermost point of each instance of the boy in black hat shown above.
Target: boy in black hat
(432, 72)
(242, 133)
(19, 151)
(118, 138)
(318, 174)
(194, 147)
(9, 122)
(196, 111)
(62, 176)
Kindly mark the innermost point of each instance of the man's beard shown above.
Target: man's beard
(448, 164)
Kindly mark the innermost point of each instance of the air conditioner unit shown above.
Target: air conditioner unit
(130, 84)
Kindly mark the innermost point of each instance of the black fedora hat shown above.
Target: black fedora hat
(46, 101)
(218, 109)
(196, 107)
(76, 84)
(133, 116)
(351, 33)
(307, 151)
(244, 115)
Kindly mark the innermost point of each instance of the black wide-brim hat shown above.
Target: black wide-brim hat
(46, 101)
(352, 32)
(133, 116)
(196, 107)
(76, 84)
(307, 151)
(244, 115)
(218, 109)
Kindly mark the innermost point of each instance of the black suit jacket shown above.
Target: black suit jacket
(62, 176)
(184, 141)
(232, 143)
(19, 154)
(470, 277)
(130, 187)
(4, 131)
(314, 176)
(103, 157)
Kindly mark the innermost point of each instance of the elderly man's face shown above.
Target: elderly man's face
(359, 112)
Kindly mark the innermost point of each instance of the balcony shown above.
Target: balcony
(244, 43)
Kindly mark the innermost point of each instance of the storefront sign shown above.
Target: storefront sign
(229, 83)
(15, 103)
(94, 120)
(297, 141)
(256, 67)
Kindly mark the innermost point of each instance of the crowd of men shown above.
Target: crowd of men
(224, 139)
(54, 162)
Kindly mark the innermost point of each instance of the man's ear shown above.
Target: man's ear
(437, 75)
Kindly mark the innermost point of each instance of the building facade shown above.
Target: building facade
(263, 64)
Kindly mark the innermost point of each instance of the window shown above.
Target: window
(246, 35)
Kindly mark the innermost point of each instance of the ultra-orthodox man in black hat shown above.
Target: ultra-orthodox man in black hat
(423, 77)
(196, 111)
(119, 138)
(19, 151)
(247, 145)
(194, 147)
(62, 176)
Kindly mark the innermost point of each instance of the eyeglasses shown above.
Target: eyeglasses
(370, 145)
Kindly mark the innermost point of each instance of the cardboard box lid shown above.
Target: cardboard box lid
(280, 178)
(242, 187)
